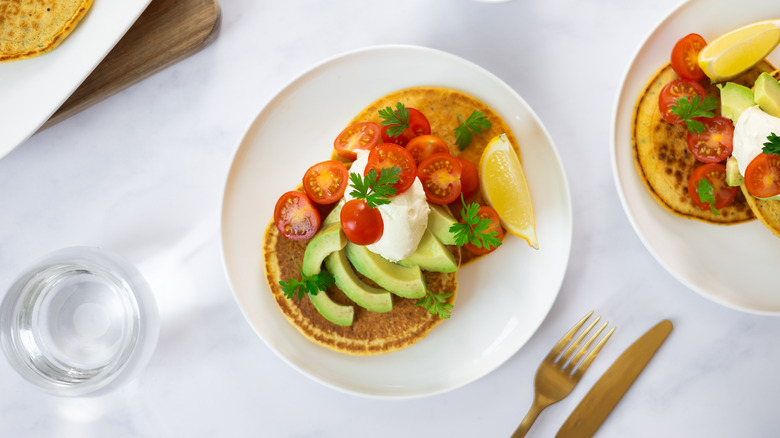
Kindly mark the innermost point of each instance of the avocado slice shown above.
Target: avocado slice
(767, 94)
(328, 239)
(371, 298)
(431, 255)
(439, 222)
(335, 215)
(734, 99)
(733, 177)
(407, 282)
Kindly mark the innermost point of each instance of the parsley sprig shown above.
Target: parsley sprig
(772, 145)
(688, 109)
(436, 304)
(475, 123)
(397, 120)
(376, 187)
(308, 284)
(706, 192)
(474, 229)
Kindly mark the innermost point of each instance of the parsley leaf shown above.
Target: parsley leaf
(689, 108)
(397, 120)
(310, 284)
(436, 304)
(772, 146)
(476, 123)
(474, 229)
(375, 188)
(706, 192)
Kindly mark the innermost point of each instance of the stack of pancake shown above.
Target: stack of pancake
(30, 28)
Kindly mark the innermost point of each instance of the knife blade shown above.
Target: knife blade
(609, 389)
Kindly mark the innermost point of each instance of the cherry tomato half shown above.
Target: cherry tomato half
(361, 224)
(296, 217)
(364, 135)
(715, 143)
(762, 176)
(495, 226)
(389, 155)
(440, 177)
(424, 146)
(418, 125)
(325, 183)
(716, 174)
(676, 89)
(469, 177)
(685, 57)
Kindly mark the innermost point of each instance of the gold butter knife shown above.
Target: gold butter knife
(609, 389)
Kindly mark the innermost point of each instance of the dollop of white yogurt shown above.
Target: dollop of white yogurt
(405, 217)
(750, 133)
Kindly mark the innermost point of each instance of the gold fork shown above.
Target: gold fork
(557, 375)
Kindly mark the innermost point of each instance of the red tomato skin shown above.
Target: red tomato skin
(716, 174)
(674, 90)
(440, 176)
(685, 57)
(363, 135)
(418, 125)
(296, 217)
(715, 143)
(762, 176)
(335, 173)
(495, 225)
(362, 225)
(388, 155)
(469, 177)
(424, 146)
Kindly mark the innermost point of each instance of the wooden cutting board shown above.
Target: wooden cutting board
(165, 33)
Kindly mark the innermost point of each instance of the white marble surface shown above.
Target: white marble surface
(142, 174)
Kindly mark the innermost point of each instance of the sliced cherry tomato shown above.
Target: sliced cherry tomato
(418, 125)
(364, 135)
(762, 176)
(325, 183)
(715, 143)
(440, 176)
(361, 224)
(389, 155)
(495, 225)
(685, 57)
(716, 174)
(296, 217)
(676, 89)
(469, 177)
(424, 146)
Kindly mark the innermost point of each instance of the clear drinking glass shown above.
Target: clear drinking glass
(81, 321)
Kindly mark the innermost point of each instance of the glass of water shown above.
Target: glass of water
(81, 321)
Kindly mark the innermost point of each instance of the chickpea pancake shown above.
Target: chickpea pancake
(662, 157)
(29, 28)
(373, 333)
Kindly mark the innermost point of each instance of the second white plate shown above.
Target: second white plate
(501, 300)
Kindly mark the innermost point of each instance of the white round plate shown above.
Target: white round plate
(502, 299)
(732, 265)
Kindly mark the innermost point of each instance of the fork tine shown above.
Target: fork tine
(558, 348)
(592, 355)
(587, 345)
(576, 344)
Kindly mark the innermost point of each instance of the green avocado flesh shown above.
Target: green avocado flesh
(733, 177)
(767, 94)
(328, 240)
(431, 255)
(407, 282)
(734, 99)
(439, 222)
(371, 298)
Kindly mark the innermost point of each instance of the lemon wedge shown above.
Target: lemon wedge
(740, 49)
(503, 184)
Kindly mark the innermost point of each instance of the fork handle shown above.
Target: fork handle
(530, 417)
